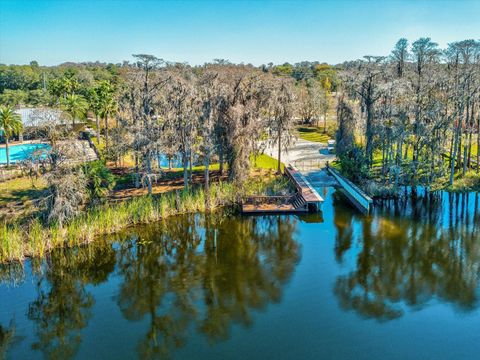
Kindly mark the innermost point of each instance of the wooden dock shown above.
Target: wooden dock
(308, 193)
(273, 204)
(305, 199)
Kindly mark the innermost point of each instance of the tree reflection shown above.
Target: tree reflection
(432, 251)
(204, 273)
(7, 335)
(246, 271)
(63, 306)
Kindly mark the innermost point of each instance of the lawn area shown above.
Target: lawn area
(312, 133)
(264, 161)
(20, 189)
(17, 195)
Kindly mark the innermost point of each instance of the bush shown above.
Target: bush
(353, 164)
(99, 180)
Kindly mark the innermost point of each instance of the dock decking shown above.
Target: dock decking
(306, 199)
(309, 194)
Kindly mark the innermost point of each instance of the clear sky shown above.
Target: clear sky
(257, 32)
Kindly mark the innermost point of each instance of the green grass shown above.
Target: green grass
(17, 197)
(312, 133)
(470, 182)
(264, 161)
(336, 165)
(20, 189)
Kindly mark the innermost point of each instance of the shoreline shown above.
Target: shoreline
(36, 240)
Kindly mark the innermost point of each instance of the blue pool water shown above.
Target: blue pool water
(22, 152)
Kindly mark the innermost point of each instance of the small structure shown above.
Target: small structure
(331, 146)
(37, 117)
(273, 204)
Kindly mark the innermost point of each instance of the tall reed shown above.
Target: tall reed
(36, 239)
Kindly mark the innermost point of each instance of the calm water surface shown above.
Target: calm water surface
(400, 284)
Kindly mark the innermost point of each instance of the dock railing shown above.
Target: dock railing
(357, 195)
(301, 183)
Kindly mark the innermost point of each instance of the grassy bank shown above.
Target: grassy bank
(20, 239)
(18, 242)
(469, 183)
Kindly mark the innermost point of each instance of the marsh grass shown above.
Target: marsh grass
(36, 239)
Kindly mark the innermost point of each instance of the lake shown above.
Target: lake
(401, 283)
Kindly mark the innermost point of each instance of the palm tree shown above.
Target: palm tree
(108, 108)
(75, 106)
(103, 105)
(95, 106)
(10, 124)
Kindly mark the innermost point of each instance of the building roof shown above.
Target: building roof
(35, 117)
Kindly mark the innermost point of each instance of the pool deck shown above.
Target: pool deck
(82, 148)
(25, 142)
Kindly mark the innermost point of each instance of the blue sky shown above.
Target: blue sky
(257, 32)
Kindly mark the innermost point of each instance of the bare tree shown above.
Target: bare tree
(281, 112)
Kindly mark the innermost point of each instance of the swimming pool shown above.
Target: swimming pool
(22, 151)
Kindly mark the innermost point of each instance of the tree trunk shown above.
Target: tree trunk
(220, 159)
(191, 166)
(369, 134)
(185, 169)
(456, 148)
(106, 132)
(478, 143)
(97, 122)
(207, 179)
(7, 151)
(137, 172)
(452, 143)
(279, 167)
(149, 172)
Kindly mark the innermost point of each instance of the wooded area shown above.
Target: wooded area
(420, 110)
(409, 118)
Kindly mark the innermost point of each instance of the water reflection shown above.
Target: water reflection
(7, 335)
(410, 252)
(197, 274)
(194, 272)
(192, 279)
(62, 306)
